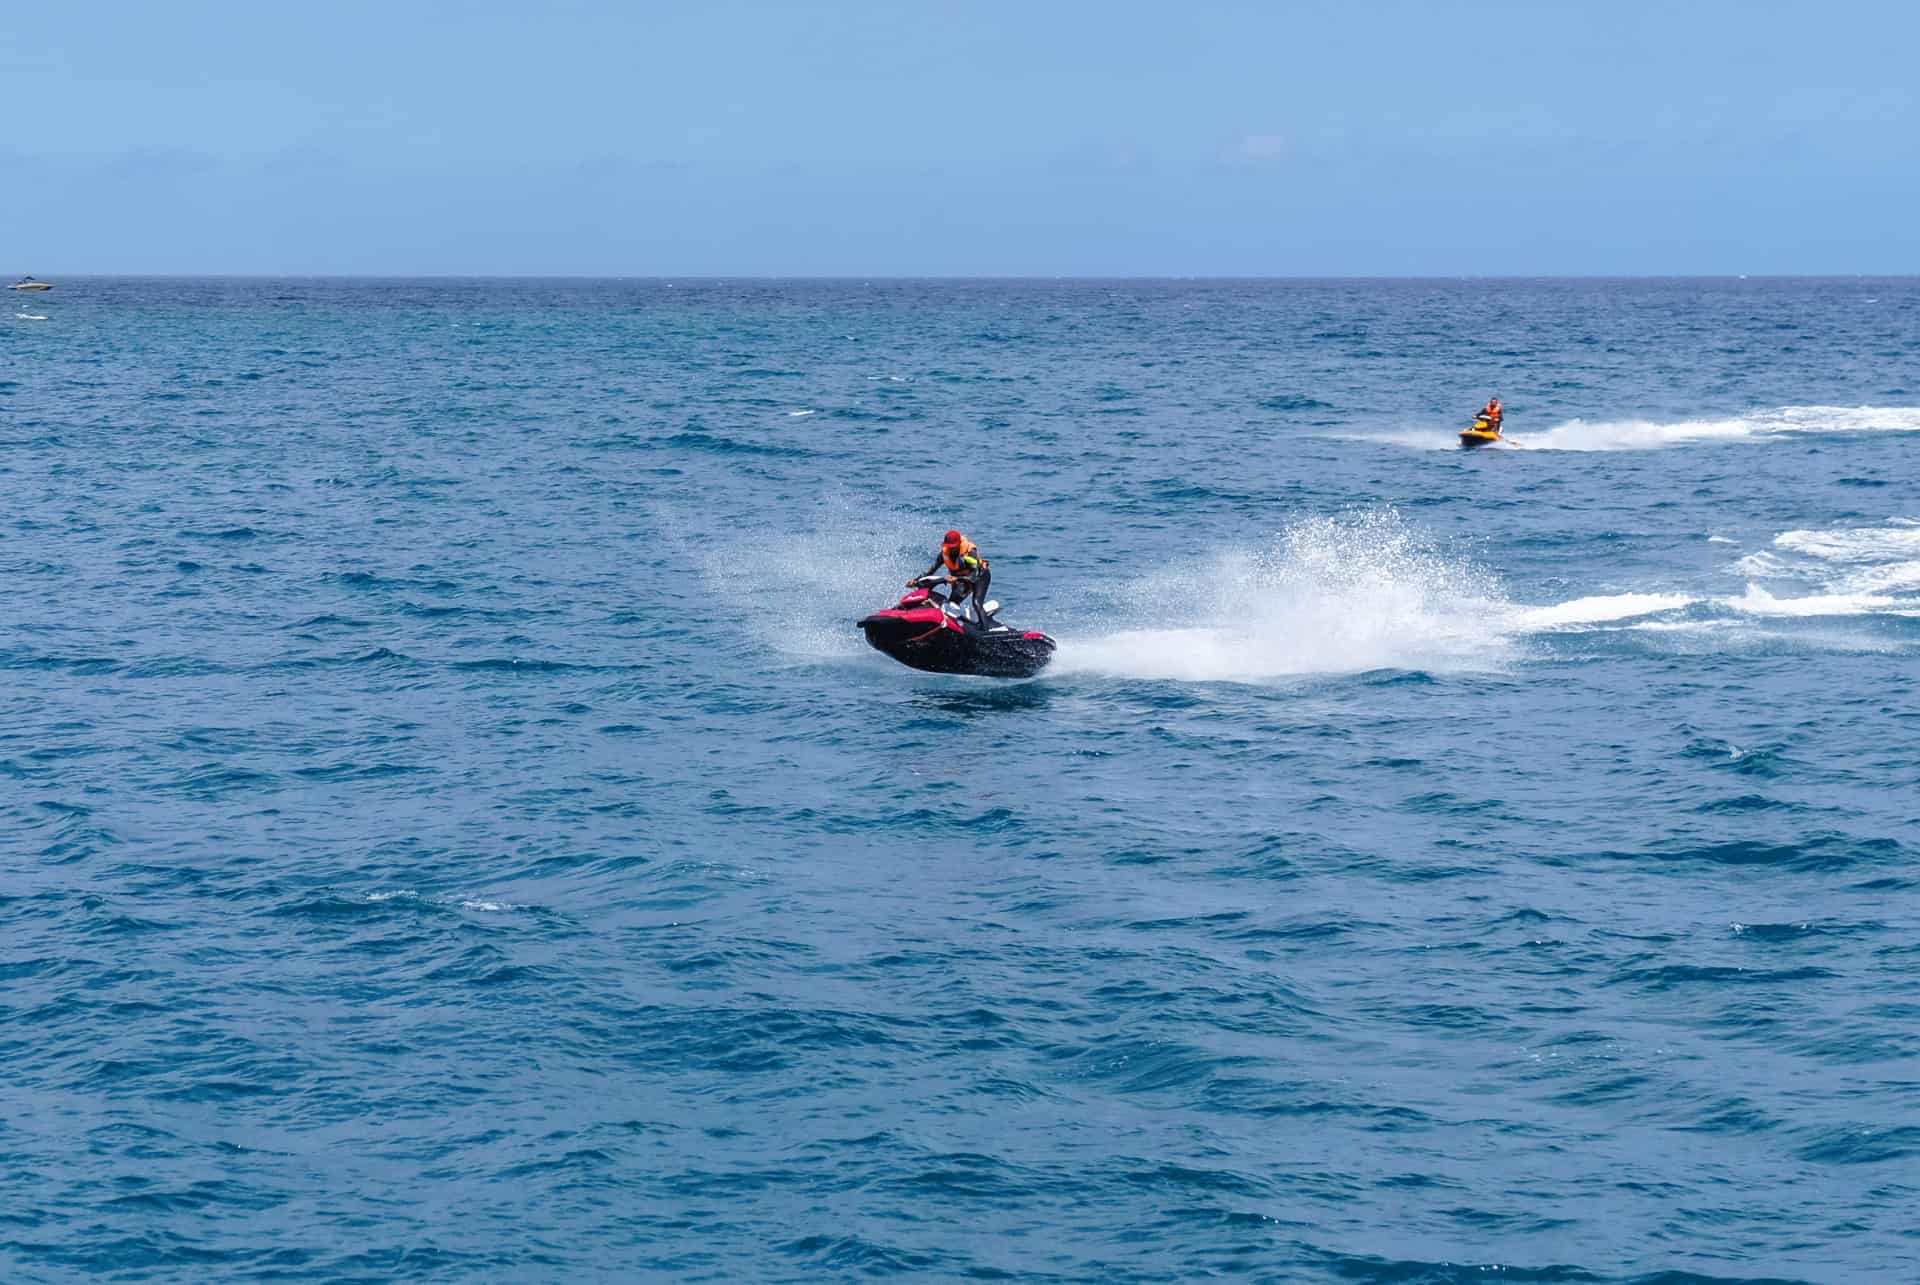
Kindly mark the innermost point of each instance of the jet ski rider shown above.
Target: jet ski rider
(1492, 414)
(967, 572)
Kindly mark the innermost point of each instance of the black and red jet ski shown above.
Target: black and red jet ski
(926, 631)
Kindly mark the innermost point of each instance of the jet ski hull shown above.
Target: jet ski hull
(927, 638)
(1482, 432)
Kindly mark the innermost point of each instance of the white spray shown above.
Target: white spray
(1327, 595)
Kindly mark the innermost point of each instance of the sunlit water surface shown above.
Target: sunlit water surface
(452, 829)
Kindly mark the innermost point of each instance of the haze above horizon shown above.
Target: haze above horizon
(865, 140)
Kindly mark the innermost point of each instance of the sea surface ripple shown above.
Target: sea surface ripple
(453, 831)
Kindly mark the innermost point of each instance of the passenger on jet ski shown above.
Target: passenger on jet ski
(1492, 414)
(967, 572)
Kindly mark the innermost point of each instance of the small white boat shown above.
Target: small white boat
(28, 283)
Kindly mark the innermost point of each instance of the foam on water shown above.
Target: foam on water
(1357, 593)
(1642, 435)
(1860, 544)
(1582, 434)
(1758, 602)
(1598, 610)
(1851, 571)
(1327, 595)
(1885, 578)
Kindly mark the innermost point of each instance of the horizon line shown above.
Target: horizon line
(840, 277)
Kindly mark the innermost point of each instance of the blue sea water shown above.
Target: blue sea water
(453, 831)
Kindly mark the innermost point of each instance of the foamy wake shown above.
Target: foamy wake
(1758, 602)
(1649, 435)
(1805, 574)
(1329, 595)
(1845, 571)
(1598, 611)
(1642, 435)
(1346, 595)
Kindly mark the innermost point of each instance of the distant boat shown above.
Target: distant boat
(28, 283)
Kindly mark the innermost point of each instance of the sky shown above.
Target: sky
(926, 138)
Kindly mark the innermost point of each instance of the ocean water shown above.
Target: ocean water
(453, 831)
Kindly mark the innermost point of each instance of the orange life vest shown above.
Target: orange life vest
(957, 556)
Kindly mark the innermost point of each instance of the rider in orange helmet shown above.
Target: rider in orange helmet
(967, 571)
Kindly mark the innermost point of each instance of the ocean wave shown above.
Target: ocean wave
(1863, 1144)
(1825, 851)
(717, 444)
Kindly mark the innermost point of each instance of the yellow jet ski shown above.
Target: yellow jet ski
(1480, 434)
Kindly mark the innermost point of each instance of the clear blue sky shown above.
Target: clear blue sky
(907, 137)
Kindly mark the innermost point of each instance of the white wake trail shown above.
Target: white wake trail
(1646, 435)
(1850, 571)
